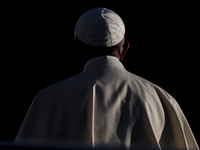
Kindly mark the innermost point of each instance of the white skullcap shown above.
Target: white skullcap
(100, 27)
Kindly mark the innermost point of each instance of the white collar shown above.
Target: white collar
(101, 57)
(112, 57)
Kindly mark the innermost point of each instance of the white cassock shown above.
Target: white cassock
(107, 105)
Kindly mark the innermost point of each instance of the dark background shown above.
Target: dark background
(37, 50)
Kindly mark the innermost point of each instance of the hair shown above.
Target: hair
(89, 52)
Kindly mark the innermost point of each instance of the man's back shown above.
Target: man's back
(107, 105)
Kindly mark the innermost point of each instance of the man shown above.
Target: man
(106, 104)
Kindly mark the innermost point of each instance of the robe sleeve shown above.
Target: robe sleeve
(176, 132)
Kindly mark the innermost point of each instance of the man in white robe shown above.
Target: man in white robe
(106, 104)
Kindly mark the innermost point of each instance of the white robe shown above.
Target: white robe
(107, 105)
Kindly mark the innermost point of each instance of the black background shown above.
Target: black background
(37, 50)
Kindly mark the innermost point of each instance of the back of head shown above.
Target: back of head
(100, 27)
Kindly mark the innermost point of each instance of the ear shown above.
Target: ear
(125, 49)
